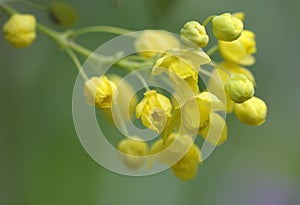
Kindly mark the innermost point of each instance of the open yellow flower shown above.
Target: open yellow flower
(152, 42)
(240, 50)
(20, 30)
(99, 91)
(154, 109)
(196, 115)
(182, 66)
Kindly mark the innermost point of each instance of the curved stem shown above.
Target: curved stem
(77, 63)
(101, 29)
(207, 20)
(212, 50)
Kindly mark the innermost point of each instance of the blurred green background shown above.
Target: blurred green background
(42, 161)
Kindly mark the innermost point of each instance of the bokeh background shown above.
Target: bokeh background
(43, 162)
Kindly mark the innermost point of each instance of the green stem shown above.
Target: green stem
(212, 50)
(207, 20)
(146, 86)
(101, 29)
(63, 39)
(77, 63)
(58, 37)
(7, 9)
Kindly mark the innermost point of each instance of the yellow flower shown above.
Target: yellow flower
(99, 91)
(182, 66)
(196, 115)
(152, 42)
(186, 168)
(154, 110)
(227, 27)
(239, 88)
(20, 30)
(180, 153)
(240, 50)
(217, 87)
(133, 152)
(216, 132)
(175, 147)
(194, 33)
(252, 112)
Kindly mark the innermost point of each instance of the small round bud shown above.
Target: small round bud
(227, 27)
(252, 112)
(239, 88)
(133, 152)
(20, 30)
(193, 31)
(99, 91)
(62, 13)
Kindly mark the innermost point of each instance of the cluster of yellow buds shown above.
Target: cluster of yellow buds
(179, 117)
(191, 109)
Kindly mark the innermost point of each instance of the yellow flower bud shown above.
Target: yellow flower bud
(99, 91)
(20, 30)
(239, 88)
(194, 32)
(252, 112)
(240, 50)
(227, 27)
(186, 168)
(216, 132)
(152, 42)
(133, 152)
(180, 153)
(175, 147)
(154, 110)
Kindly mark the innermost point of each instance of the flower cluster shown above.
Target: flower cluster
(192, 112)
(192, 109)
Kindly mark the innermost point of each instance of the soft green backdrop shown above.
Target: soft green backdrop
(42, 161)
